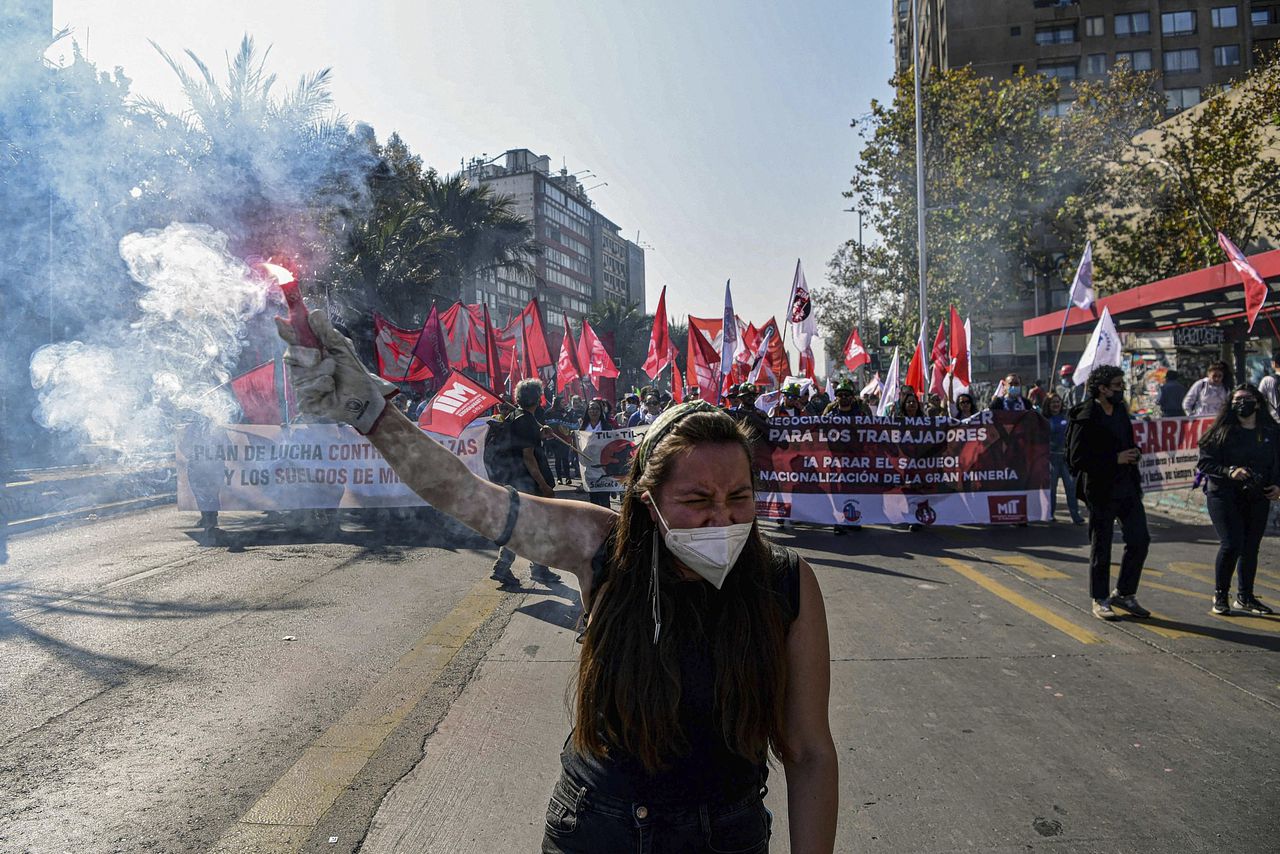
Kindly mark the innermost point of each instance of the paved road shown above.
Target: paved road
(150, 702)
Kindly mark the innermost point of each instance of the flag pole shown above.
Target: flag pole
(1058, 347)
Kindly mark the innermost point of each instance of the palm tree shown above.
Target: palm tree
(629, 327)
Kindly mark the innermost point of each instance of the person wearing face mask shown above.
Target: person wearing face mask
(1103, 457)
(1240, 457)
(1012, 399)
(690, 613)
(630, 410)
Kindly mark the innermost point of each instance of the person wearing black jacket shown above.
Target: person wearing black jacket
(1240, 457)
(1103, 456)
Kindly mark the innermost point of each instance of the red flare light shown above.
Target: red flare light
(288, 283)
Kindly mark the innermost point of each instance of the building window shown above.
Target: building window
(1263, 17)
(1002, 342)
(1265, 50)
(1224, 16)
(1176, 61)
(1056, 35)
(1059, 70)
(1139, 60)
(1226, 54)
(1133, 24)
(1181, 99)
(1095, 63)
(1095, 26)
(1015, 31)
(1178, 23)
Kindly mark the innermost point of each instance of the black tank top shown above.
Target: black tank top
(710, 772)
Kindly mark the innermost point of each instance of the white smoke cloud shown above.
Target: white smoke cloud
(131, 385)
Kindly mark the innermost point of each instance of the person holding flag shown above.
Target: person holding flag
(685, 603)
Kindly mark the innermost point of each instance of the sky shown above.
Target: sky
(722, 127)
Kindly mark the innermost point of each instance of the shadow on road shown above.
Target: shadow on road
(410, 527)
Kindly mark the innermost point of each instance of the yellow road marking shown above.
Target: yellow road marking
(1014, 598)
(283, 818)
(1164, 631)
(1033, 568)
(1199, 571)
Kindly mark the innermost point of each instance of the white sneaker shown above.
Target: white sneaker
(1102, 609)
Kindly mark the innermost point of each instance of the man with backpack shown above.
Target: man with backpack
(1103, 457)
(521, 460)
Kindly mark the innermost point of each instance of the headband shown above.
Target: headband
(664, 425)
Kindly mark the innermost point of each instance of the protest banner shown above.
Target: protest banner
(1170, 448)
(299, 467)
(929, 471)
(605, 457)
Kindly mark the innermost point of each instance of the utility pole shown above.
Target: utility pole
(920, 205)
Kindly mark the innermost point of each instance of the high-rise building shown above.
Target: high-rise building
(584, 259)
(1192, 44)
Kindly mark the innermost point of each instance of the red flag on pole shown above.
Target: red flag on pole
(705, 360)
(460, 327)
(916, 377)
(459, 402)
(537, 355)
(567, 370)
(677, 378)
(430, 349)
(593, 358)
(395, 346)
(959, 348)
(807, 365)
(940, 361)
(659, 355)
(776, 352)
(1255, 287)
(855, 355)
(255, 391)
(492, 354)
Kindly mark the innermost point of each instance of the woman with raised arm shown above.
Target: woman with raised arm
(705, 647)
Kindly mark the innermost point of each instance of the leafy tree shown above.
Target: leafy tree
(1007, 178)
(1212, 168)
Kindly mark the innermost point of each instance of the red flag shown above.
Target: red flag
(567, 365)
(255, 391)
(959, 348)
(940, 361)
(1255, 287)
(915, 371)
(751, 338)
(460, 325)
(528, 329)
(855, 355)
(395, 346)
(806, 364)
(659, 340)
(593, 358)
(430, 349)
(704, 363)
(677, 378)
(492, 356)
(779, 360)
(459, 402)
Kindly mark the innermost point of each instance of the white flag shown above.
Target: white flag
(889, 396)
(1082, 285)
(804, 322)
(729, 341)
(1103, 349)
(968, 351)
(873, 387)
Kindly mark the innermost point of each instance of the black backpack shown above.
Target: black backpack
(497, 451)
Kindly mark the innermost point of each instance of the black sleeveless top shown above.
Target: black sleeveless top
(710, 772)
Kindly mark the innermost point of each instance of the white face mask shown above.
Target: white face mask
(710, 552)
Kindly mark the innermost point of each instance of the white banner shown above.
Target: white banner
(299, 467)
(1170, 449)
(605, 457)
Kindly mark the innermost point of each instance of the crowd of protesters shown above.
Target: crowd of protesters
(1092, 454)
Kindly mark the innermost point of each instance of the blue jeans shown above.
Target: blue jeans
(1058, 471)
(580, 821)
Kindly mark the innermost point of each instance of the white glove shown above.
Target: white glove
(331, 383)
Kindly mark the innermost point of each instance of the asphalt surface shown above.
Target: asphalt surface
(150, 701)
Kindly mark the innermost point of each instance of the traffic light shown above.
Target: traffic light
(886, 337)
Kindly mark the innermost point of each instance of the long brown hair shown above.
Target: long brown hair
(628, 688)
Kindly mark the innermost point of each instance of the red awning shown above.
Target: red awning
(1214, 295)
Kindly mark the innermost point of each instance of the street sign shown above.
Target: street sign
(1198, 336)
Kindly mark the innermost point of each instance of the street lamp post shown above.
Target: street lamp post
(920, 205)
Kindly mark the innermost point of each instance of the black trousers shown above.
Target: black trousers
(1240, 524)
(1102, 525)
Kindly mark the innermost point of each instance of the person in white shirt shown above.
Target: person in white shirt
(1207, 395)
(1270, 386)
